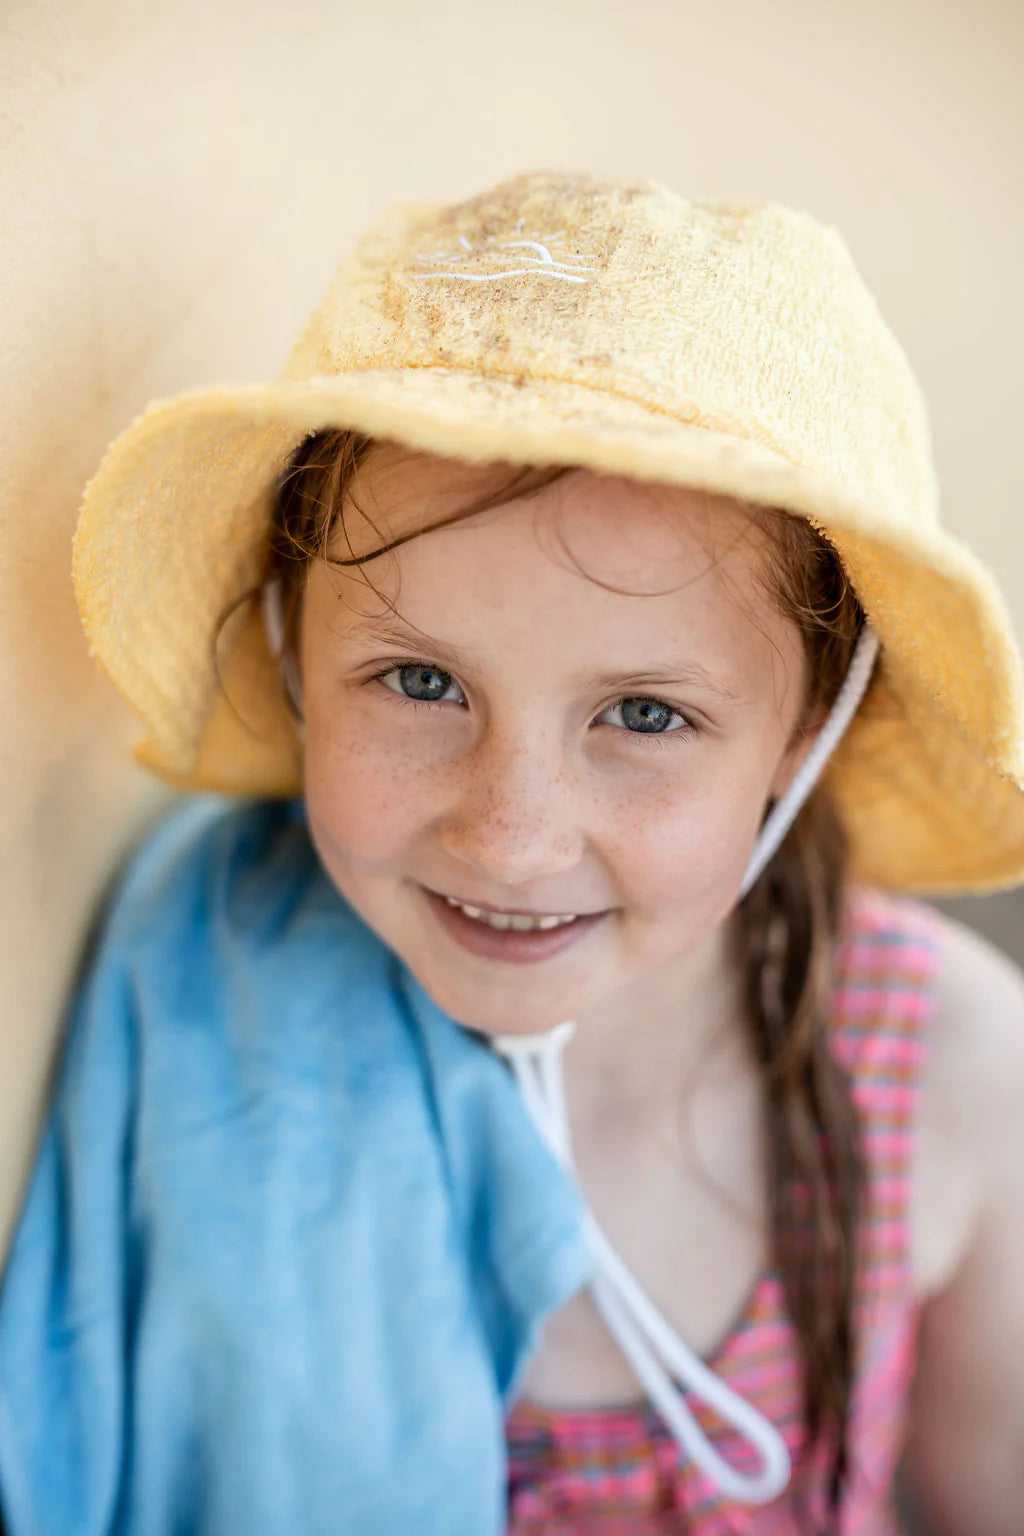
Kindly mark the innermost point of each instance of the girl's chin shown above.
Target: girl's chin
(494, 1017)
(521, 1008)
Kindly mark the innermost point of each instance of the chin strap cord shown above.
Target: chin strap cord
(650, 1344)
(660, 1358)
(783, 814)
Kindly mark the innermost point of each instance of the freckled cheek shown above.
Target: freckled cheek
(371, 798)
(681, 848)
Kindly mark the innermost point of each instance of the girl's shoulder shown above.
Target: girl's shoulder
(967, 1413)
(928, 1018)
(973, 1089)
(962, 1002)
(961, 997)
(974, 1019)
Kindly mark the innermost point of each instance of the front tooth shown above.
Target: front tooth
(521, 923)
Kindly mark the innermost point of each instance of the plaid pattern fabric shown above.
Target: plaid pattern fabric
(617, 1472)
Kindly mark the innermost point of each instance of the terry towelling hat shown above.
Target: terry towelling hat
(558, 319)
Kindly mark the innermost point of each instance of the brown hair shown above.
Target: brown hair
(788, 924)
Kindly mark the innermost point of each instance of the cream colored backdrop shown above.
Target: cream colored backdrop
(178, 181)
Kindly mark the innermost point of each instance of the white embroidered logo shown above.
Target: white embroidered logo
(476, 263)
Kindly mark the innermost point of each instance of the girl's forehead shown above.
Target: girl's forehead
(618, 531)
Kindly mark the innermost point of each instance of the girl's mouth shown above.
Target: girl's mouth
(481, 937)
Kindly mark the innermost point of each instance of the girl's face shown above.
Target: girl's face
(526, 740)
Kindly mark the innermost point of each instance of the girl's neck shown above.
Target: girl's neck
(638, 1050)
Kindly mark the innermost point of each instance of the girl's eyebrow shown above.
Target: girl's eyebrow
(689, 672)
(392, 631)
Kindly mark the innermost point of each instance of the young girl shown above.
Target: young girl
(526, 1103)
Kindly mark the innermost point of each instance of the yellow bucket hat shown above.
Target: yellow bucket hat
(559, 319)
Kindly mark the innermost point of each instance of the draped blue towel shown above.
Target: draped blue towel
(290, 1234)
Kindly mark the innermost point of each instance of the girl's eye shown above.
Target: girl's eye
(649, 717)
(419, 682)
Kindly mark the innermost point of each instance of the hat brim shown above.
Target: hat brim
(173, 529)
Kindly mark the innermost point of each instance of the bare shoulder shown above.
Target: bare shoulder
(972, 1108)
(978, 1040)
(967, 1411)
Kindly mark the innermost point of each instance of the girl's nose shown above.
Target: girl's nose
(514, 817)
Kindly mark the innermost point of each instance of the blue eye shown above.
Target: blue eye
(418, 681)
(649, 717)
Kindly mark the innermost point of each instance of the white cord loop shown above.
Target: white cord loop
(648, 1341)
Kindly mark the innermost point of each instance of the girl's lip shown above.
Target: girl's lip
(508, 943)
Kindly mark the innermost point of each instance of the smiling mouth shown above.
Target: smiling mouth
(521, 922)
(513, 937)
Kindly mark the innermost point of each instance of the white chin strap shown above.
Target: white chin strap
(662, 1361)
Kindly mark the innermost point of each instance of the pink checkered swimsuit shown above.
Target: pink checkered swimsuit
(617, 1472)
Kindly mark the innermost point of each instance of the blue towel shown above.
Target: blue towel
(290, 1234)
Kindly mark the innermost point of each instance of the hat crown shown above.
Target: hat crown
(744, 318)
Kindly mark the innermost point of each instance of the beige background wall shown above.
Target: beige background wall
(178, 181)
